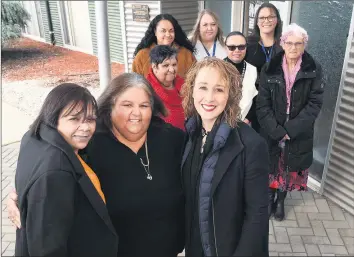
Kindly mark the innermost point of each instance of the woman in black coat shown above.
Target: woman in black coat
(224, 167)
(136, 156)
(289, 101)
(262, 45)
(61, 203)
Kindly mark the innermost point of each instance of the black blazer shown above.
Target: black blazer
(238, 222)
(61, 212)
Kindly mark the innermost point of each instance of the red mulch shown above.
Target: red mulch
(25, 59)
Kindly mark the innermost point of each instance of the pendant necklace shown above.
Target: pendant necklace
(146, 166)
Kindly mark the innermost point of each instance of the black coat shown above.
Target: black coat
(305, 105)
(61, 212)
(238, 221)
(256, 57)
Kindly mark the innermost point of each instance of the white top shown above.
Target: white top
(200, 53)
(249, 90)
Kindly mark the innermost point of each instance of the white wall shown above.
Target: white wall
(32, 25)
(80, 25)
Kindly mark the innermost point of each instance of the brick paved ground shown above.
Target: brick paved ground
(313, 227)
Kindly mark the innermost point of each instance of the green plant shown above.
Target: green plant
(14, 17)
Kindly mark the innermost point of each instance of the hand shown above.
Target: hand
(286, 137)
(246, 121)
(12, 209)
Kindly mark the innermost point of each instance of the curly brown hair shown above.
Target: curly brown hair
(232, 79)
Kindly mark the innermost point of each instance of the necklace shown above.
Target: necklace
(204, 132)
(243, 70)
(146, 166)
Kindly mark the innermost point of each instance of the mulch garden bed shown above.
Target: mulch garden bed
(26, 59)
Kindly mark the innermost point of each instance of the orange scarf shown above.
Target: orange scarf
(93, 177)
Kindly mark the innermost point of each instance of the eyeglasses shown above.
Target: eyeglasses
(239, 47)
(269, 18)
(291, 44)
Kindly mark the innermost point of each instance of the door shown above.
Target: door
(327, 23)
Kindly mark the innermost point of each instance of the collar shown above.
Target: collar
(274, 67)
(222, 132)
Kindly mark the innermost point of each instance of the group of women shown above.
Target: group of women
(169, 157)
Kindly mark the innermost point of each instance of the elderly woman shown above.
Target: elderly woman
(164, 30)
(224, 167)
(207, 36)
(289, 101)
(166, 82)
(139, 175)
(237, 46)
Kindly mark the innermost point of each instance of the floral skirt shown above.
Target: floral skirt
(293, 180)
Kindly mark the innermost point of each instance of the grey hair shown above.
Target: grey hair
(117, 87)
(296, 30)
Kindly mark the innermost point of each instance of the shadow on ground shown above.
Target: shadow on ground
(15, 54)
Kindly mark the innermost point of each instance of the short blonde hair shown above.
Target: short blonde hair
(232, 80)
(195, 34)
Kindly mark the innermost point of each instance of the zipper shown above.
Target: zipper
(216, 246)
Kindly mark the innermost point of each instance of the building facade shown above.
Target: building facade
(330, 28)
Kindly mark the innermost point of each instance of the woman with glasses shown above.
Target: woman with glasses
(164, 30)
(289, 101)
(236, 45)
(263, 44)
(207, 36)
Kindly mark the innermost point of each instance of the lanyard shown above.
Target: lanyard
(206, 50)
(268, 57)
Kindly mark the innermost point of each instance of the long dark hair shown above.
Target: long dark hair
(118, 86)
(57, 100)
(255, 36)
(150, 38)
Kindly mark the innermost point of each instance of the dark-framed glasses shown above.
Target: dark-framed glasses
(239, 47)
(269, 18)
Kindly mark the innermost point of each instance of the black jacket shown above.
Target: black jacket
(256, 57)
(61, 212)
(305, 105)
(238, 219)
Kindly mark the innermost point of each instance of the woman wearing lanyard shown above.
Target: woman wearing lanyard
(263, 44)
(207, 36)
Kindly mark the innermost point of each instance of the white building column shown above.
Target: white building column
(104, 59)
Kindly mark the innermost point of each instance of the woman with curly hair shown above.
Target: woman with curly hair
(224, 167)
(164, 30)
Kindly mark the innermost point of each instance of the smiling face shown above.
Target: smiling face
(236, 55)
(166, 71)
(208, 28)
(210, 95)
(75, 128)
(164, 32)
(267, 20)
(131, 114)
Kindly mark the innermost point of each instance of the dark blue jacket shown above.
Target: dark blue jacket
(232, 191)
